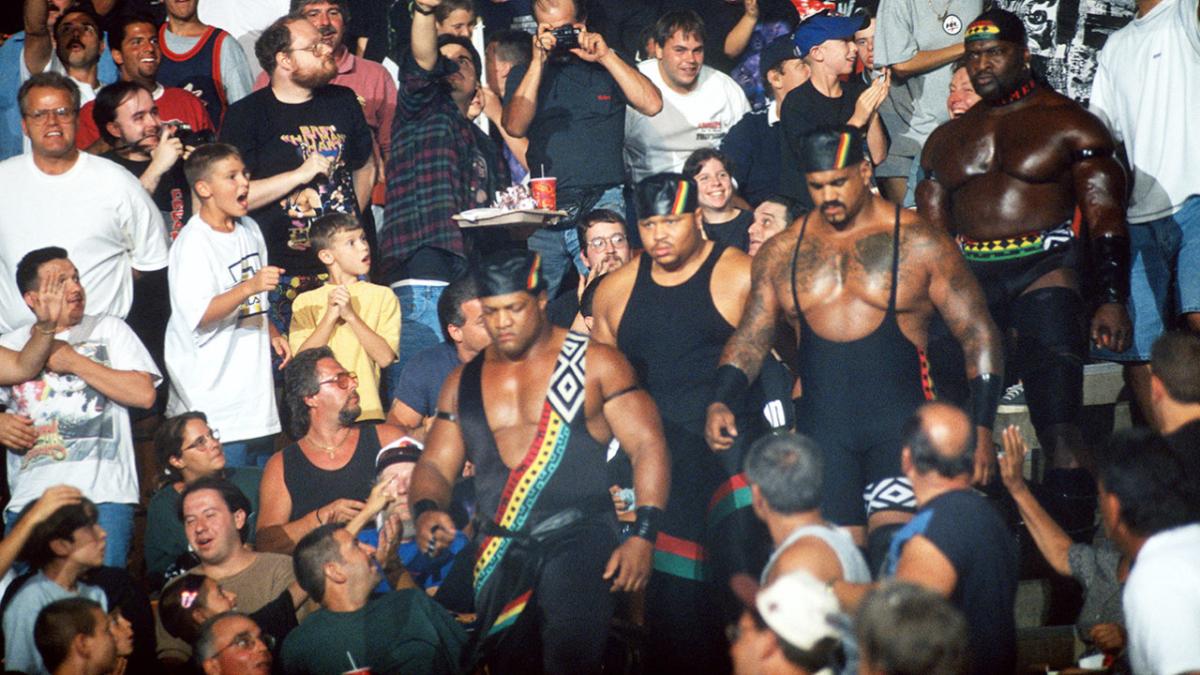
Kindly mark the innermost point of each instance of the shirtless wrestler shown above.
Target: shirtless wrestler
(547, 555)
(1005, 178)
(858, 280)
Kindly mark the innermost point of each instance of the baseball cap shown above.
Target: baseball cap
(776, 52)
(800, 610)
(824, 26)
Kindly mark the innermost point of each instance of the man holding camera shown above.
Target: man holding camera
(570, 104)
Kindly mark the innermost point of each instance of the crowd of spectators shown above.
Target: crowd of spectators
(232, 286)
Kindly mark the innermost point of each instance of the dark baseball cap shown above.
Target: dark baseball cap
(824, 26)
(776, 52)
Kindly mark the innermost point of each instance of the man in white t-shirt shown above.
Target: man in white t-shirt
(77, 407)
(700, 104)
(56, 195)
(1145, 91)
(1149, 505)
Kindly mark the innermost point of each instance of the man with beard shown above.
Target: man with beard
(1006, 179)
(605, 245)
(307, 146)
(204, 60)
(548, 559)
(569, 101)
(326, 476)
(133, 41)
(858, 279)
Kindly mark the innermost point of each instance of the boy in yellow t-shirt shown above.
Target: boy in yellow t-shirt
(360, 321)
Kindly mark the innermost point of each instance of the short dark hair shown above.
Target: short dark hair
(178, 604)
(443, 11)
(49, 80)
(205, 646)
(512, 46)
(466, 44)
(320, 234)
(231, 494)
(60, 525)
(58, 623)
(680, 20)
(276, 39)
(119, 28)
(695, 161)
(1155, 486)
(793, 208)
(298, 6)
(787, 470)
(596, 216)
(449, 306)
(108, 99)
(198, 164)
(313, 552)
(168, 441)
(1175, 360)
(300, 382)
(905, 629)
(947, 462)
(31, 263)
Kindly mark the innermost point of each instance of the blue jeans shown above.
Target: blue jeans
(419, 328)
(560, 248)
(117, 521)
(249, 451)
(1166, 255)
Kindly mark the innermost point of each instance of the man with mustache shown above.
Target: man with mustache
(308, 149)
(858, 279)
(1007, 179)
(74, 50)
(326, 476)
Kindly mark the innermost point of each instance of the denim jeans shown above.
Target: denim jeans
(249, 451)
(419, 328)
(117, 521)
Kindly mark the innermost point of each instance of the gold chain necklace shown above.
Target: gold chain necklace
(330, 450)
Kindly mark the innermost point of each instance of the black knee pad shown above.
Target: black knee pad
(1050, 351)
(879, 541)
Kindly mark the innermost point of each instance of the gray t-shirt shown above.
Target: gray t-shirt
(905, 27)
(235, 71)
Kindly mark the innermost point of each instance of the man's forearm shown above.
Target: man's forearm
(522, 107)
(639, 91)
(38, 45)
(925, 61)
(424, 38)
(364, 183)
(132, 388)
(266, 190)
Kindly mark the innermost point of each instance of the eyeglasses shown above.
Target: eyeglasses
(213, 437)
(617, 240)
(342, 380)
(247, 641)
(85, 28)
(41, 116)
(315, 48)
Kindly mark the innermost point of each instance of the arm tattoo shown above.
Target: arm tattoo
(755, 333)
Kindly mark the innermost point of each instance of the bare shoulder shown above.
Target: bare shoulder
(922, 240)
(733, 264)
(777, 250)
(608, 365)
(618, 283)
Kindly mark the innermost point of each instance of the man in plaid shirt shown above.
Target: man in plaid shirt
(441, 164)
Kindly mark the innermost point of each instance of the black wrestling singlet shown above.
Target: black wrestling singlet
(857, 397)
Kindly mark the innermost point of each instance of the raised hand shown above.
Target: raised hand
(266, 279)
(50, 305)
(315, 165)
(592, 46)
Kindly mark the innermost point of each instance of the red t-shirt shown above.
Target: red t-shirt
(174, 104)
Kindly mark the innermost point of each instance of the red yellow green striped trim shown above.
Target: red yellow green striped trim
(982, 30)
(508, 616)
(842, 156)
(531, 282)
(679, 557)
(679, 206)
(733, 494)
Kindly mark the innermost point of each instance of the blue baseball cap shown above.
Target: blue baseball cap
(824, 26)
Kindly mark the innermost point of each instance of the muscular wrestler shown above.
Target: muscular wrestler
(547, 554)
(670, 311)
(858, 279)
(1005, 178)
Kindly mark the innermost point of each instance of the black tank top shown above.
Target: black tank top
(312, 487)
(862, 383)
(673, 337)
(563, 466)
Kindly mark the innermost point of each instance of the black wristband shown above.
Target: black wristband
(986, 390)
(646, 525)
(421, 10)
(732, 384)
(423, 506)
(1110, 266)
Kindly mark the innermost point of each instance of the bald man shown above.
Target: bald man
(955, 544)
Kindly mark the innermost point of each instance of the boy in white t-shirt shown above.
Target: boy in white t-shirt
(358, 320)
(219, 340)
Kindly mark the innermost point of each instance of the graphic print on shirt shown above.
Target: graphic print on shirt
(73, 421)
(244, 270)
(324, 194)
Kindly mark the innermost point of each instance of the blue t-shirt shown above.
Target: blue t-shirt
(422, 377)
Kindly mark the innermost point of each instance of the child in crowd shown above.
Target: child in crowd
(219, 340)
(358, 320)
(724, 222)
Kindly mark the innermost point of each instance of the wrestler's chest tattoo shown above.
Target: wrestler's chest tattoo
(866, 261)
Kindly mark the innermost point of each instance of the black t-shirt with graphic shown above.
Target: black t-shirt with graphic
(172, 196)
(276, 137)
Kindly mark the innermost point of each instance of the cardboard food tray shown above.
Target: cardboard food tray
(522, 217)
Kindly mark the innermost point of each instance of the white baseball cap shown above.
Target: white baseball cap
(800, 610)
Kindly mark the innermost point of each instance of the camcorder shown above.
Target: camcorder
(566, 38)
(191, 137)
